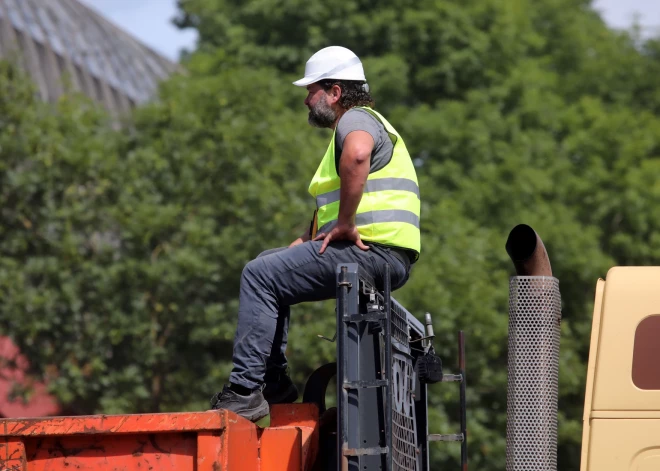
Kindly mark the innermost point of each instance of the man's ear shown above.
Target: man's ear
(334, 94)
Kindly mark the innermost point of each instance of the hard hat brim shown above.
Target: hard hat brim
(303, 82)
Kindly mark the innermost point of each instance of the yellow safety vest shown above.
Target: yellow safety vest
(389, 211)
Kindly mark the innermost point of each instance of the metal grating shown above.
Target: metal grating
(404, 436)
(399, 325)
(533, 373)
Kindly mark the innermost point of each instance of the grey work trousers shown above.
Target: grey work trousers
(280, 278)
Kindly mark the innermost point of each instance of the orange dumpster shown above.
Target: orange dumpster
(193, 441)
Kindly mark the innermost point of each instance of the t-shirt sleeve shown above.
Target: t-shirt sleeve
(357, 120)
(360, 120)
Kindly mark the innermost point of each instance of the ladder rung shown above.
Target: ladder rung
(376, 450)
(377, 383)
(377, 316)
(452, 378)
(454, 437)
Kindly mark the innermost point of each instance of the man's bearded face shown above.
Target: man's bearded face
(321, 114)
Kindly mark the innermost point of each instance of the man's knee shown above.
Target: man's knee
(254, 269)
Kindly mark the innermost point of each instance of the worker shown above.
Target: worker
(367, 212)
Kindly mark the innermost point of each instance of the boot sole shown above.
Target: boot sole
(256, 414)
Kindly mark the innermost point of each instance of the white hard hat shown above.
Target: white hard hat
(334, 62)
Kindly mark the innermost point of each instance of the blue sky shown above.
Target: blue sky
(620, 13)
(150, 20)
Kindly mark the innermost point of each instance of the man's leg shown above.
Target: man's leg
(279, 388)
(277, 360)
(285, 278)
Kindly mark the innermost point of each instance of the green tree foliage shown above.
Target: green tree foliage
(125, 270)
(120, 253)
(514, 111)
(57, 238)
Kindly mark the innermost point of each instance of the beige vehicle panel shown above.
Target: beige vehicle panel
(630, 311)
(625, 445)
(622, 401)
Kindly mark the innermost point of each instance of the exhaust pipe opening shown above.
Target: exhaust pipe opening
(527, 252)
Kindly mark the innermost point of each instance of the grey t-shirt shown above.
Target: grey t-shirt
(357, 119)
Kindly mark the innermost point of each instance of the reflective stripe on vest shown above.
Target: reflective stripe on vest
(382, 184)
(383, 215)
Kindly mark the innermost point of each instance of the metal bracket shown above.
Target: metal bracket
(326, 338)
(376, 383)
(367, 290)
(375, 300)
(454, 437)
(452, 378)
(421, 339)
(366, 451)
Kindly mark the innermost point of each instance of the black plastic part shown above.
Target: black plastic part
(317, 385)
(429, 368)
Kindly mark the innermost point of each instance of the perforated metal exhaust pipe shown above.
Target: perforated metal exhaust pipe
(533, 361)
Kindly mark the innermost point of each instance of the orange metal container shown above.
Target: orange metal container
(196, 441)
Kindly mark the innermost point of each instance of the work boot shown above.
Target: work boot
(252, 406)
(279, 388)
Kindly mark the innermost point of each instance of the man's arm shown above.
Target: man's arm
(303, 238)
(307, 235)
(354, 166)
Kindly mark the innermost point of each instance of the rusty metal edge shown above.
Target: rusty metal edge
(118, 424)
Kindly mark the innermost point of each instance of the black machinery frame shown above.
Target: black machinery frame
(382, 421)
(368, 339)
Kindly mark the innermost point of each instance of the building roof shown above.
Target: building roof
(64, 38)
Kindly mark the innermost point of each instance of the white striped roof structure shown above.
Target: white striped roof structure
(64, 41)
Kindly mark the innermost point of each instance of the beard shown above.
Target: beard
(321, 115)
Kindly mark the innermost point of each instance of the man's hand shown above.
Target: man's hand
(341, 232)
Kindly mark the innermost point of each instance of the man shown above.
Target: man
(367, 211)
